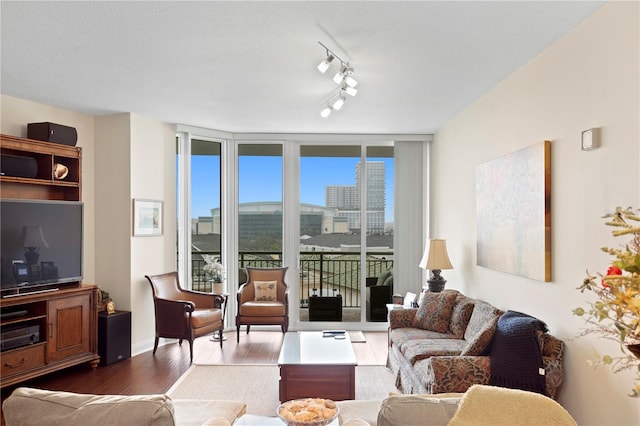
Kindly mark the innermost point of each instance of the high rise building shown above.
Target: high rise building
(346, 198)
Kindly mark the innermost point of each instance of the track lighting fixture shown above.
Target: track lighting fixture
(343, 78)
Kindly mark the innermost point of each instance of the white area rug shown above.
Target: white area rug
(257, 385)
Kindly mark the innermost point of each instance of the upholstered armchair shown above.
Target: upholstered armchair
(184, 314)
(379, 294)
(263, 299)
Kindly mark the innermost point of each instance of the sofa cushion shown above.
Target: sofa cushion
(460, 315)
(435, 310)
(483, 313)
(479, 343)
(195, 412)
(51, 408)
(415, 350)
(399, 336)
(416, 410)
(356, 422)
(366, 410)
(491, 405)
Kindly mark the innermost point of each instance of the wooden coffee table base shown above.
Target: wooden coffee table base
(336, 382)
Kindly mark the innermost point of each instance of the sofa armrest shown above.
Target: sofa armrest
(457, 373)
(552, 350)
(401, 318)
(447, 374)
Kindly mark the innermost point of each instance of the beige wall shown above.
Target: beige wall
(590, 78)
(153, 153)
(137, 160)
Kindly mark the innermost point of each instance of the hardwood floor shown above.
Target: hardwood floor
(147, 373)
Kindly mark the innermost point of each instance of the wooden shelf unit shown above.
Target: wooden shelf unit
(44, 186)
(66, 316)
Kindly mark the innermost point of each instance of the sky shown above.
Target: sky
(261, 180)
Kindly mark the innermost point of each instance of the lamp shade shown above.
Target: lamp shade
(435, 256)
(32, 236)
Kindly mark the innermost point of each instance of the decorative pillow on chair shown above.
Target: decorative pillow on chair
(266, 291)
(435, 310)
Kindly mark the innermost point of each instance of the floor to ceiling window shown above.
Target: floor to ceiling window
(343, 207)
(333, 227)
(259, 219)
(203, 173)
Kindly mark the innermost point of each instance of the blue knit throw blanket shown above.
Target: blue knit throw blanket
(515, 354)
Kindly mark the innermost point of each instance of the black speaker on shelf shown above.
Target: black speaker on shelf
(114, 336)
(14, 165)
(52, 132)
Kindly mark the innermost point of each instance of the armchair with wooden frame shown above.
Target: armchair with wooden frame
(263, 299)
(184, 314)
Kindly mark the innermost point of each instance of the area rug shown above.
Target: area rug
(257, 385)
(357, 337)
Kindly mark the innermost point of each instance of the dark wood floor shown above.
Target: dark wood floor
(147, 373)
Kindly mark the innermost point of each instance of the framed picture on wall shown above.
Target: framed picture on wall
(147, 218)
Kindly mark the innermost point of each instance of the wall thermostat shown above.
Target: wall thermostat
(590, 139)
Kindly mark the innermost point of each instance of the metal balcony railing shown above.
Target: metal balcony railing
(323, 274)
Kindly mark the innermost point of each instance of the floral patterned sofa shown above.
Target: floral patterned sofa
(442, 346)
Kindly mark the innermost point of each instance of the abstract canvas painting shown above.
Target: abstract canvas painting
(513, 210)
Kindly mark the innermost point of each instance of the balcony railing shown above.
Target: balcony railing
(323, 274)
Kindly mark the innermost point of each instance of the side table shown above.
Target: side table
(325, 308)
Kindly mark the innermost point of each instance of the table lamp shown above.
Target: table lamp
(435, 259)
(32, 240)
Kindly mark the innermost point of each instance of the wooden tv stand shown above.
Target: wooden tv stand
(66, 320)
(60, 321)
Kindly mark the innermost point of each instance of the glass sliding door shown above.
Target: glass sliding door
(379, 185)
(260, 220)
(330, 233)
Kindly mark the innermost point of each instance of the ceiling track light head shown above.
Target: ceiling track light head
(326, 111)
(340, 75)
(338, 101)
(326, 63)
(351, 91)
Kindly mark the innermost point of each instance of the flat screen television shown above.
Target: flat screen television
(41, 243)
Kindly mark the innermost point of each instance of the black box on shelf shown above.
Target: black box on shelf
(52, 132)
(18, 166)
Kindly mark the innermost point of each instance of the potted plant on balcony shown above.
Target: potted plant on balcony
(215, 272)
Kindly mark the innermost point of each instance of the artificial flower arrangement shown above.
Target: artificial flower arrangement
(615, 314)
(213, 268)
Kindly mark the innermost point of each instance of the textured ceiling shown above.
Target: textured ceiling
(251, 66)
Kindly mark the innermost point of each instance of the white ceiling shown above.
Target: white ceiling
(251, 66)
